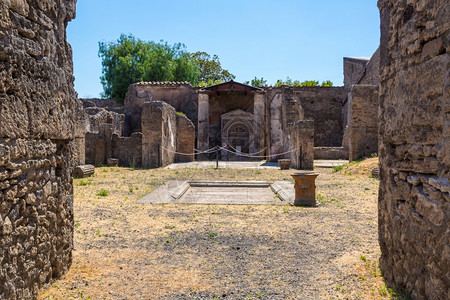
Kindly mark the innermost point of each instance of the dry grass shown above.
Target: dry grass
(125, 250)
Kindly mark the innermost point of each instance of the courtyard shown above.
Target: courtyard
(127, 250)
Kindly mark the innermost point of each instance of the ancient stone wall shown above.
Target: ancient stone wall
(180, 95)
(330, 153)
(96, 116)
(37, 131)
(414, 200)
(363, 123)
(354, 70)
(128, 149)
(372, 70)
(321, 104)
(185, 139)
(159, 132)
(300, 137)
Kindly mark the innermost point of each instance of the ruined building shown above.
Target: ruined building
(163, 122)
(42, 137)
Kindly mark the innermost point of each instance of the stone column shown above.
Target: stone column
(203, 121)
(259, 122)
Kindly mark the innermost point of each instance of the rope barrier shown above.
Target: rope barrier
(259, 156)
(248, 153)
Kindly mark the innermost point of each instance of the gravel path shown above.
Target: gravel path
(125, 250)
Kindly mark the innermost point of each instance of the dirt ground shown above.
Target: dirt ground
(125, 250)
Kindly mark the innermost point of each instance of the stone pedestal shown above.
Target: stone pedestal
(112, 162)
(284, 164)
(305, 188)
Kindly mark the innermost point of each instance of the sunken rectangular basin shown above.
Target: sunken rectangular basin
(222, 192)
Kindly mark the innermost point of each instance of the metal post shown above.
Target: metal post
(217, 157)
(300, 158)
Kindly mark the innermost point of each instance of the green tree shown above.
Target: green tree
(130, 60)
(309, 83)
(289, 82)
(326, 83)
(211, 70)
(260, 82)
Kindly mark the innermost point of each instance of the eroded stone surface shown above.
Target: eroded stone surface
(38, 118)
(414, 127)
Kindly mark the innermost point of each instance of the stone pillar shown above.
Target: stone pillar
(300, 136)
(203, 121)
(259, 122)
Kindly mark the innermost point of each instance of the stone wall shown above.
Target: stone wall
(330, 153)
(180, 95)
(159, 132)
(372, 70)
(185, 139)
(128, 149)
(37, 131)
(363, 123)
(324, 106)
(414, 200)
(354, 70)
(300, 137)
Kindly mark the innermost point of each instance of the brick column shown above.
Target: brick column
(203, 121)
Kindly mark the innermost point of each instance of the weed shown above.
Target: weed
(382, 290)
(338, 168)
(286, 210)
(84, 183)
(103, 193)
(212, 235)
(169, 227)
(363, 257)
(132, 162)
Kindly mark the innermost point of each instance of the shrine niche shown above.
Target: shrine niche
(237, 135)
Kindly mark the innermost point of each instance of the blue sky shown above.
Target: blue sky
(305, 40)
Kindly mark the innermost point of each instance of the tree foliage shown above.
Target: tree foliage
(260, 82)
(130, 60)
(211, 70)
(290, 82)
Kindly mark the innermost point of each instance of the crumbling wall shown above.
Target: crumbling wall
(185, 139)
(37, 131)
(324, 106)
(300, 137)
(354, 70)
(128, 149)
(159, 131)
(372, 70)
(180, 95)
(363, 123)
(414, 200)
